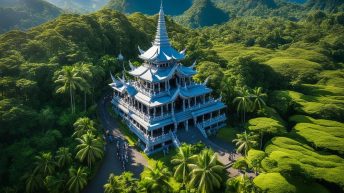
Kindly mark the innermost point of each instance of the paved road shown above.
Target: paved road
(110, 163)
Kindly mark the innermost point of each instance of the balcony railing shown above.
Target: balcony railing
(146, 138)
(212, 121)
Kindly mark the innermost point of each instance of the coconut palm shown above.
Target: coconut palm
(33, 182)
(182, 161)
(245, 141)
(125, 183)
(77, 179)
(90, 148)
(55, 184)
(156, 179)
(206, 172)
(113, 185)
(82, 126)
(258, 98)
(45, 164)
(244, 103)
(69, 80)
(63, 157)
(85, 71)
(240, 184)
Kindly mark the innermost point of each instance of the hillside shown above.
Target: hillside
(24, 14)
(80, 6)
(202, 13)
(328, 5)
(150, 7)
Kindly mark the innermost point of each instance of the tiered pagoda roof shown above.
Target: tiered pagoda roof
(161, 51)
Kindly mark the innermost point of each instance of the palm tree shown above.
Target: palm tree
(77, 179)
(82, 126)
(245, 142)
(206, 172)
(125, 183)
(55, 184)
(258, 98)
(182, 161)
(90, 148)
(85, 71)
(45, 164)
(157, 178)
(69, 80)
(240, 184)
(33, 182)
(113, 185)
(244, 103)
(63, 157)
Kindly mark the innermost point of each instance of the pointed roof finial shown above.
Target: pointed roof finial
(161, 37)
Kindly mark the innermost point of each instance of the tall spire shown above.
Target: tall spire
(161, 37)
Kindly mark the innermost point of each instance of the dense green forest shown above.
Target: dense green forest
(52, 76)
(24, 14)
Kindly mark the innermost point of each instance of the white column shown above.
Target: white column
(162, 110)
(154, 111)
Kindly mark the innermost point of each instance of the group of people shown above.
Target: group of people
(122, 153)
(121, 148)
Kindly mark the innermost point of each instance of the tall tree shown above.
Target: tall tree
(125, 183)
(156, 179)
(245, 141)
(182, 161)
(33, 182)
(77, 179)
(45, 164)
(70, 80)
(55, 183)
(63, 157)
(243, 101)
(90, 148)
(258, 98)
(85, 71)
(206, 172)
(82, 126)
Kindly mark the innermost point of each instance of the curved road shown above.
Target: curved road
(110, 163)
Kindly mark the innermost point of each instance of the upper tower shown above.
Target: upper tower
(161, 50)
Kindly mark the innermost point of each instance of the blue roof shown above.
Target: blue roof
(153, 74)
(194, 91)
(161, 51)
(186, 71)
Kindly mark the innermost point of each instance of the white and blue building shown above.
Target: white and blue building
(162, 99)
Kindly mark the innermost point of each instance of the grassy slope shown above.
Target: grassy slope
(324, 134)
(288, 155)
(325, 102)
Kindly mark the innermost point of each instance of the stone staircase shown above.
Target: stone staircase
(175, 139)
(201, 129)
